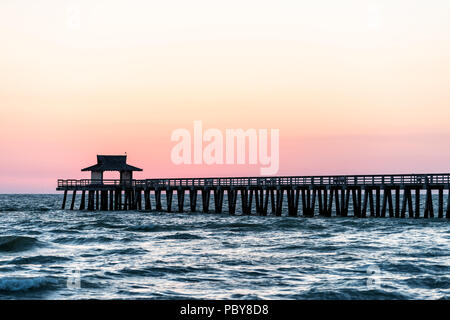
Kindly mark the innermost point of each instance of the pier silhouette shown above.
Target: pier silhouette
(396, 196)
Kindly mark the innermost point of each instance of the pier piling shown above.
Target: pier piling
(193, 199)
(72, 204)
(83, 200)
(180, 198)
(63, 206)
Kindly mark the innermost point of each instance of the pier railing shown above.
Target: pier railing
(356, 180)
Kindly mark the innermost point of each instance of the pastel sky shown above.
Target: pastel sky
(353, 86)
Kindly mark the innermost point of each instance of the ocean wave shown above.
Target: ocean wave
(38, 260)
(346, 294)
(17, 243)
(292, 247)
(237, 262)
(227, 244)
(126, 251)
(106, 225)
(155, 228)
(238, 227)
(10, 209)
(181, 236)
(26, 284)
(72, 240)
(433, 283)
(240, 296)
(162, 271)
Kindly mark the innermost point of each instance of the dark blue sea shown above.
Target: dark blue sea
(47, 253)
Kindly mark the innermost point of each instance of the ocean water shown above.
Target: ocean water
(47, 253)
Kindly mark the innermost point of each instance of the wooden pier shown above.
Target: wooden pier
(395, 196)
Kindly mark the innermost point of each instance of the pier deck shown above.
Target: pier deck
(369, 195)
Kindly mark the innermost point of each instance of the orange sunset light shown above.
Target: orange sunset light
(353, 86)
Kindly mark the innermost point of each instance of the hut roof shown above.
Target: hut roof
(111, 163)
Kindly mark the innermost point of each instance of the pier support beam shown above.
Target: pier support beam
(273, 204)
(121, 200)
(345, 197)
(356, 197)
(429, 210)
(206, 195)
(327, 199)
(397, 202)
(410, 204)
(91, 200)
(133, 203)
(232, 197)
(180, 198)
(279, 202)
(63, 206)
(118, 199)
(417, 213)
(158, 199)
(148, 203)
(104, 200)
(387, 201)
(305, 202)
(169, 195)
(320, 201)
(441, 203)
(261, 201)
(407, 204)
(308, 202)
(218, 199)
(377, 202)
(328, 202)
(139, 199)
(337, 202)
(72, 204)
(447, 214)
(128, 200)
(246, 201)
(313, 204)
(293, 197)
(372, 203)
(83, 200)
(365, 202)
(193, 199)
(266, 203)
(111, 200)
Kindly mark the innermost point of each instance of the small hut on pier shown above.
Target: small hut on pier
(111, 163)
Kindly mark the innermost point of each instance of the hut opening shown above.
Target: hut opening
(111, 163)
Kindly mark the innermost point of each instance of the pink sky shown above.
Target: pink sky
(355, 87)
